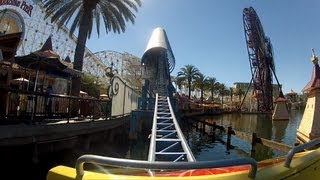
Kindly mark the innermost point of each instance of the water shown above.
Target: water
(19, 164)
(202, 145)
(205, 148)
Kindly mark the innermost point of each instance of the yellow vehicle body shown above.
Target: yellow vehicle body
(305, 165)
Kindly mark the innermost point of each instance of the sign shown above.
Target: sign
(20, 4)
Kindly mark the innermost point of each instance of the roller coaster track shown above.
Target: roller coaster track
(167, 142)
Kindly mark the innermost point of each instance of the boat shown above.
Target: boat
(301, 162)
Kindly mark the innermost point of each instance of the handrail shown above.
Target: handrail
(184, 144)
(31, 107)
(139, 164)
(152, 147)
(301, 147)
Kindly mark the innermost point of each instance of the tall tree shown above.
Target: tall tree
(174, 80)
(83, 13)
(181, 83)
(222, 91)
(189, 73)
(212, 86)
(201, 83)
(90, 84)
(239, 92)
(231, 93)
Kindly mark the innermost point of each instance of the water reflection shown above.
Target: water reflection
(212, 146)
(138, 149)
(249, 123)
(260, 124)
(206, 146)
(279, 129)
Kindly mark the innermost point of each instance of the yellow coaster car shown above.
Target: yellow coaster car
(302, 165)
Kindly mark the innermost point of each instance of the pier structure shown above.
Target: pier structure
(309, 127)
(281, 111)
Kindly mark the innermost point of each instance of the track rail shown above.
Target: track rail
(167, 142)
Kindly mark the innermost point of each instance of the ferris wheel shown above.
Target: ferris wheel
(261, 60)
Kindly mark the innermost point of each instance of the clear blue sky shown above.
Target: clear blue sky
(209, 35)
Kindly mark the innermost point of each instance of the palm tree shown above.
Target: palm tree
(114, 14)
(181, 83)
(227, 92)
(201, 83)
(222, 91)
(240, 93)
(231, 93)
(212, 86)
(174, 80)
(90, 84)
(189, 74)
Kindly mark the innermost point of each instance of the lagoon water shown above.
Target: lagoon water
(205, 148)
(280, 131)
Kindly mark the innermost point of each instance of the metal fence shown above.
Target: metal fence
(33, 107)
(124, 97)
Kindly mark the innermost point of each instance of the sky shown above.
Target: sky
(209, 34)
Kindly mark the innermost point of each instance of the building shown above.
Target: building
(28, 17)
(244, 87)
(250, 103)
(309, 127)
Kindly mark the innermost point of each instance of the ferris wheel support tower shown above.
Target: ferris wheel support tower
(261, 60)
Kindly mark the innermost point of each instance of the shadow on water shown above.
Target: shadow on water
(263, 130)
(19, 164)
(138, 149)
(279, 130)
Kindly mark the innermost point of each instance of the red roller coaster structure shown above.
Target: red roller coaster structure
(261, 61)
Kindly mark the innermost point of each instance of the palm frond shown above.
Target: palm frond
(115, 13)
(76, 21)
(97, 14)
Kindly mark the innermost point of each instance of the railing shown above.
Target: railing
(253, 138)
(31, 107)
(145, 165)
(301, 147)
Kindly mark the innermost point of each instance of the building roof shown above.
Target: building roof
(281, 97)
(65, 68)
(47, 50)
(314, 83)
